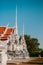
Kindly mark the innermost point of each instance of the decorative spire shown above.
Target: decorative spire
(16, 29)
(23, 33)
(16, 20)
(23, 29)
(22, 38)
(16, 15)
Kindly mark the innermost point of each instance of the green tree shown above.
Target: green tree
(41, 50)
(32, 44)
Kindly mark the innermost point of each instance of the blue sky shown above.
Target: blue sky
(30, 12)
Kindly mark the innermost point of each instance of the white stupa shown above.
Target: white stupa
(18, 49)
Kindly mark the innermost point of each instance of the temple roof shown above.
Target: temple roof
(7, 33)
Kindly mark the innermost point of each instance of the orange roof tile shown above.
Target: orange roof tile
(6, 35)
(2, 29)
(9, 30)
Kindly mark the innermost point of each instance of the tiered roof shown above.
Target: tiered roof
(6, 35)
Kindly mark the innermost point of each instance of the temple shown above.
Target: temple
(10, 43)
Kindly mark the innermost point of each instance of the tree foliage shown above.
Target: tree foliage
(41, 52)
(32, 44)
